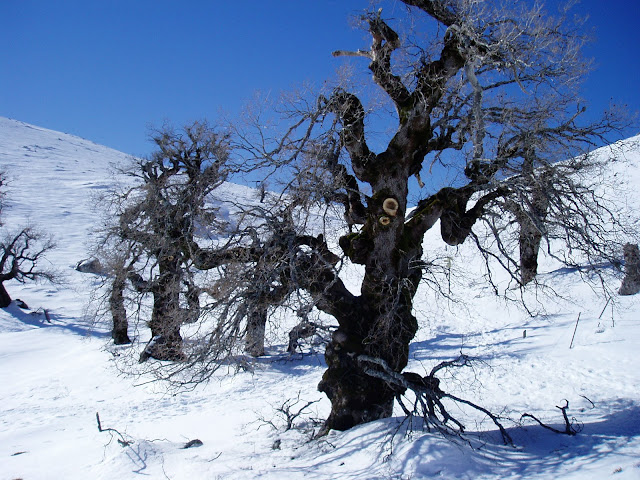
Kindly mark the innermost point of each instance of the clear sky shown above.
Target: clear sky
(107, 70)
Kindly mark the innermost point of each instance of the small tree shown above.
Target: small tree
(20, 254)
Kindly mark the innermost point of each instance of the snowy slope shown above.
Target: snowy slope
(55, 376)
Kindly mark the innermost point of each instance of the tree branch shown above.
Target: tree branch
(349, 110)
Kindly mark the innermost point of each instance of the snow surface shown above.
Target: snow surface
(56, 374)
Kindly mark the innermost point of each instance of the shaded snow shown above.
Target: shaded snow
(56, 374)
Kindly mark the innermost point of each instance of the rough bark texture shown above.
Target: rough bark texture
(166, 317)
(531, 220)
(119, 331)
(256, 326)
(631, 281)
(529, 241)
(379, 323)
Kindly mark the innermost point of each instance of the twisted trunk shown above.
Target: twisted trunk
(166, 316)
(379, 322)
(357, 397)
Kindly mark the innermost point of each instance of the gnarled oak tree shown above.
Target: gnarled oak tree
(491, 96)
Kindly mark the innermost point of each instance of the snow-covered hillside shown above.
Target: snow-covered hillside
(56, 375)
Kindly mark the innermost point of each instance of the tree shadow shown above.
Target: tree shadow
(609, 267)
(539, 453)
(382, 450)
(24, 319)
(446, 346)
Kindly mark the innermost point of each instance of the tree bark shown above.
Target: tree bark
(380, 323)
(166, 317)
(529, 242)
(5, 298)
(256, 326)
(631, 281)
(119, 331)
(531, 217)
(357, 397)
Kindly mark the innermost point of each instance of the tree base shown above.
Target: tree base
(5, 298)
(161, 348)
(356, 397)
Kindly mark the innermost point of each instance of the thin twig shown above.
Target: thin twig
(122, 441)
(574, 331)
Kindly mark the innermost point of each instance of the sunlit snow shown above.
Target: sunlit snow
(56, 374)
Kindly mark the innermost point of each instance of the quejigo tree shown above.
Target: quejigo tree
(484, 89)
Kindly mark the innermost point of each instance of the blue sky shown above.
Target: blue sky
(108, 70)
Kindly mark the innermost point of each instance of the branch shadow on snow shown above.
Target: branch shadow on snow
(297, 364)
(541, 453)
(445, 346)
(538, 453)
(24, 319)
(586, 268)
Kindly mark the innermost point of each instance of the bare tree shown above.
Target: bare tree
(20, 254)
(3, 181)
(493, 97)
(556, 192)
(144, 245)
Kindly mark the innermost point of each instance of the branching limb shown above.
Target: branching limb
(121, 438)
(349, 110)
(428, 395)
(571, 427)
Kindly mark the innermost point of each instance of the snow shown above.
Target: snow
(56, 374)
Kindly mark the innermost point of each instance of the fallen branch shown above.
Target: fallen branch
(290, 411)
(122, 440)
(428, 395)
(569, 428)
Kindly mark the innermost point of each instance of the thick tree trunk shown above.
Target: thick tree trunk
(631, 281)
(5, 299)
(166, 317)
(256, 326)
(356, 396)
(119, 332)
(531, 220)
(381, 324)
(529, 241)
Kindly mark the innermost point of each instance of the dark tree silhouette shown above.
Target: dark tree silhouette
(19, 256)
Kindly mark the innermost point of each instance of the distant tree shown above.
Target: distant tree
(556, 193)
(19, 256)
(631, 281)
(20, 253)
(143, 246)
(3, 180)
